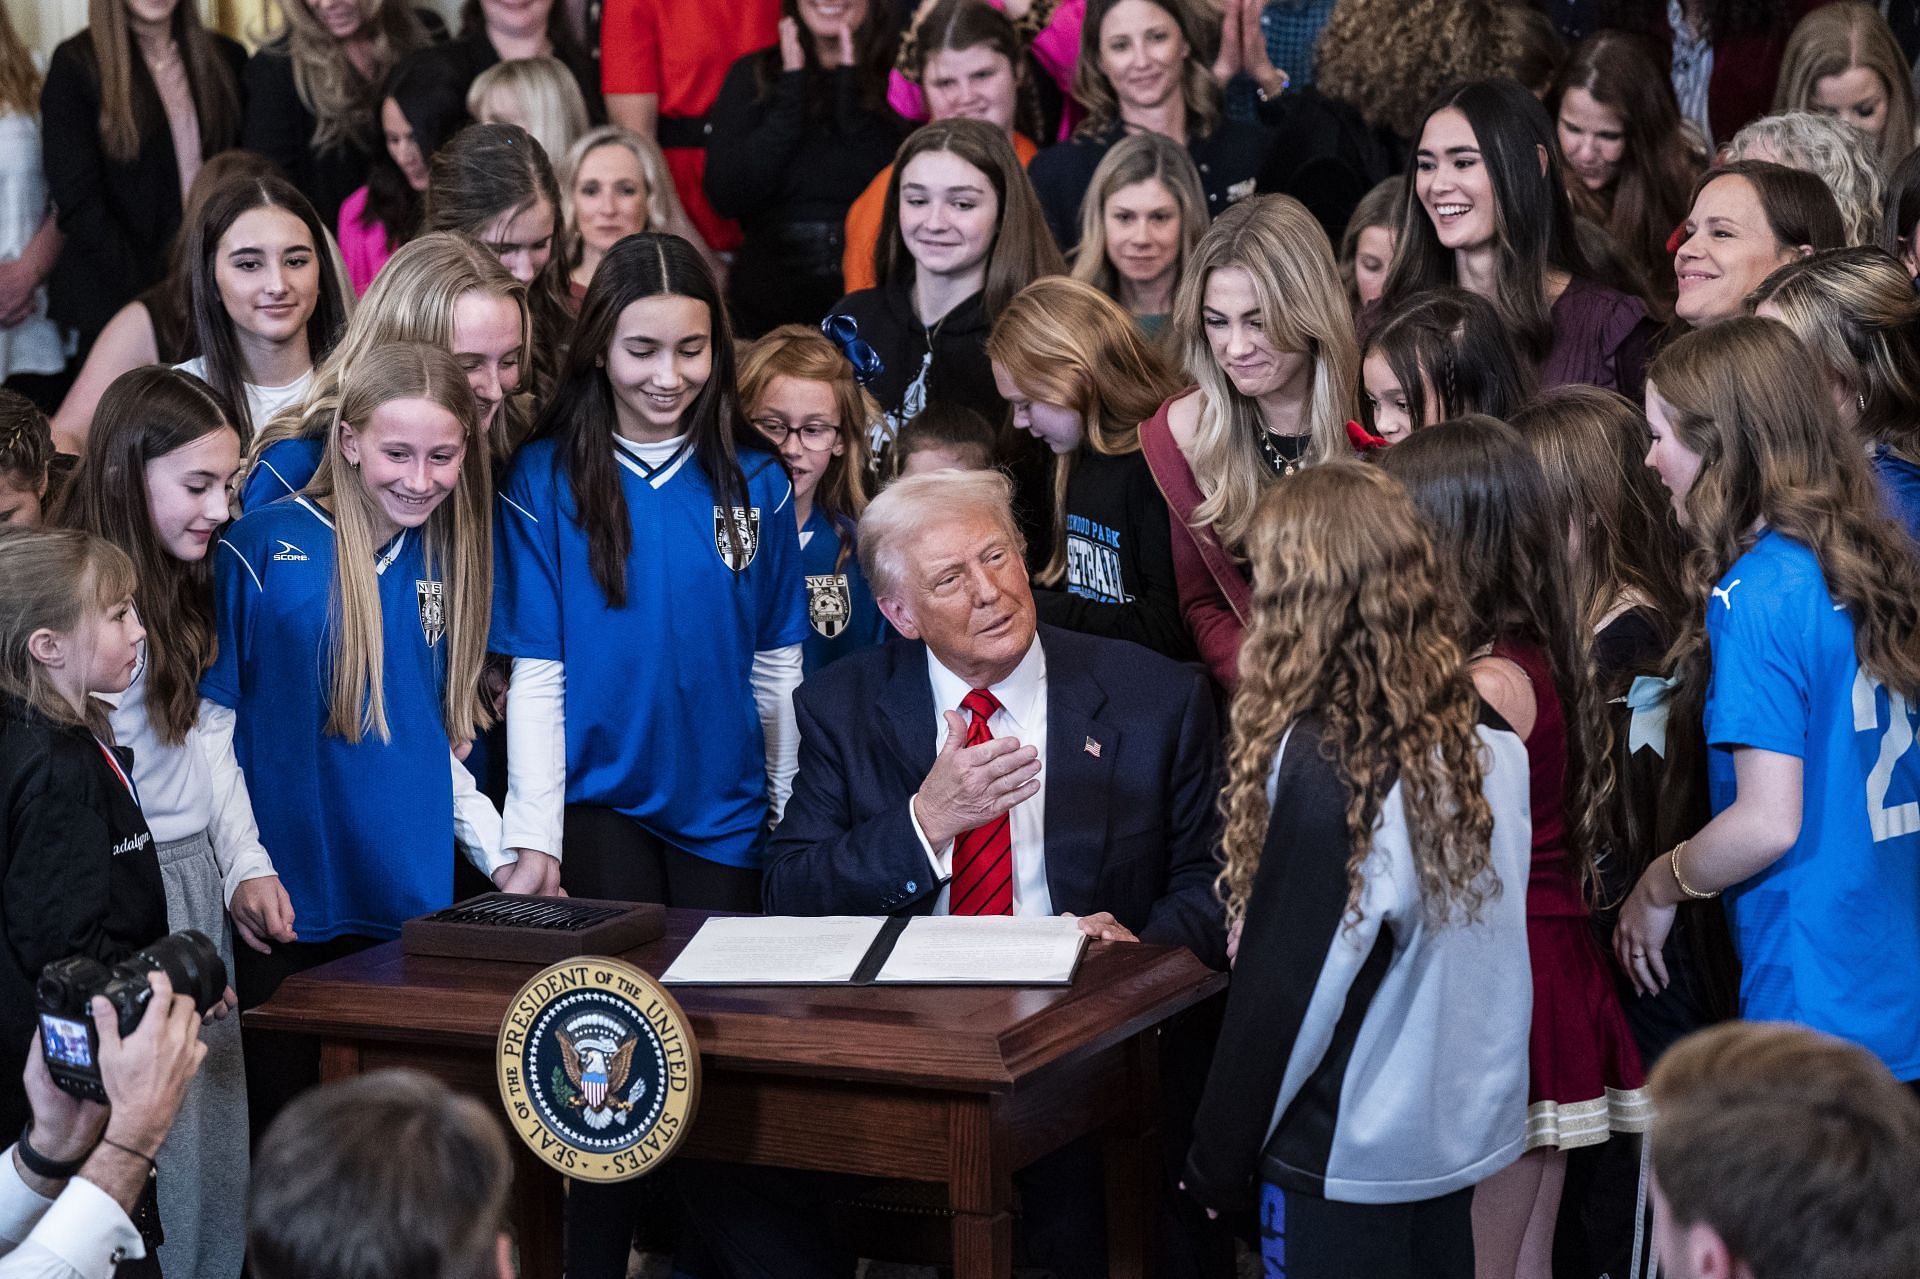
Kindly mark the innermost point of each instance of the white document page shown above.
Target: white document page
(775, 950)
(988, 950)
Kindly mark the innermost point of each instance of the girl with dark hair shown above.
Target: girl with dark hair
(800, 392)
(1804, 636)
(26, 461)
(1744, 221)
(1485, 213)
(1440, 354)
(1080, 377)
(971, 63)
(421, 106)
(961, 234)
(314, 93)
(1375, 849)
(1857, 312)
(266, 307)
(797, 133)
(1485, 500)
(1143, 67)
(1626, 553)
(131, 107)
(154, 482)
(648, 516)
(494, 183)
(1629, 163)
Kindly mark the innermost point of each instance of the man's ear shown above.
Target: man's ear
(48, 647)
(897, 613)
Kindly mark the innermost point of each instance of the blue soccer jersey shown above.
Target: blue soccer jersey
(361, 833)
(660, 717)
(284, 467)
(1829, 935)
(841, 614)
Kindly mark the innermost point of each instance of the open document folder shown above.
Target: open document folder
(835, 950)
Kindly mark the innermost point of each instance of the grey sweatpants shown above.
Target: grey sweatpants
(203, 1165)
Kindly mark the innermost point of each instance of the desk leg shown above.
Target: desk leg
(980, 1191)
(1132, 1158)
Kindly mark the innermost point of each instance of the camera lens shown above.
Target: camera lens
(190, 959)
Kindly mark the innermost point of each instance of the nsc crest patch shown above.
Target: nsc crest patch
(598, 1069)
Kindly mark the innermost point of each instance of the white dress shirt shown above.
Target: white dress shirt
(83, 1234)
(1022, 715)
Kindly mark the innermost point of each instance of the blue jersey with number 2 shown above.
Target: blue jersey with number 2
(1829, 935)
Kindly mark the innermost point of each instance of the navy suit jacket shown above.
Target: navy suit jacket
(1132, 830)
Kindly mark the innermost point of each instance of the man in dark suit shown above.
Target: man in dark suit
(994, 766)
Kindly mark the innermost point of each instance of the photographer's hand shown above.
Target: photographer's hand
(65, 1127)
(146, 1076)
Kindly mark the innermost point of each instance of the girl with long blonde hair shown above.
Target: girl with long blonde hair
(1805, 638)
(1262, 324)
(443, 289)
(1080, 377)
(1485, 501)
(1376, 853)
(313, 92)
(799, 390)
(538, 94)
(380, 570)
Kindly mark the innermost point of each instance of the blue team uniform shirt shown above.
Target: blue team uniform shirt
(660, 718)
(360, 833)
(284, 467)
(1899, 487)
(842, 616)
(1829, 935)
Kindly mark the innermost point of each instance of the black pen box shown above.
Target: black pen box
(533, 930)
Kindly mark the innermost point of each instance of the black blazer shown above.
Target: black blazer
(119, 219)
(1131, 829)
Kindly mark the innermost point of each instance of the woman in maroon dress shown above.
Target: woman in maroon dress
(1486, 502)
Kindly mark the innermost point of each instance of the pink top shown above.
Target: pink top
(1215, 598)
(169, 72)
(363, 241)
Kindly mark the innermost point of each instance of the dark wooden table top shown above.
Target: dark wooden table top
(962, 1038)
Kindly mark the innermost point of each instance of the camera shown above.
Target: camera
(67, 1036)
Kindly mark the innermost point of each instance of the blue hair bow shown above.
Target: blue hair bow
(844, 332)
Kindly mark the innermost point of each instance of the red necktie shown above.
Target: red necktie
(982, 857)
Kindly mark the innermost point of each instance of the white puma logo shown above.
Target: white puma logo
(1726, 596)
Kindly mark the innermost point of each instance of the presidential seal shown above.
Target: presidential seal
(598, 1069)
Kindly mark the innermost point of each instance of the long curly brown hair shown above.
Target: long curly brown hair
(1359, 622)
(1388, 58)
(1486, 505)
(1750, 399)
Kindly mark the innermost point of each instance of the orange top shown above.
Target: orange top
(863, 222)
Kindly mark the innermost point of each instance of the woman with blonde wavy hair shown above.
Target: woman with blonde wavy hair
(1141, 220)
(1843, 158)
(799, 390)
(1376, 858)
(381, 571)
(443, 289)
(1261, 322)
(313, 93)
(1806, 641)
(1080, 377)
(615, 183)
(1856, 310)
(1843, 61)
(538, 94)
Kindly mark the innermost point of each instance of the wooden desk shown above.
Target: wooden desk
(952, 1085)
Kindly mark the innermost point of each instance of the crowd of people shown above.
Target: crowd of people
(1414, 500)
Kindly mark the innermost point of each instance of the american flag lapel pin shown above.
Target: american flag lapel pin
(1093, 748)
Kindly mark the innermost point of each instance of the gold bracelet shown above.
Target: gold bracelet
(1673, 864)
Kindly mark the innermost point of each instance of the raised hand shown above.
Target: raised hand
(969, 786)
(792, 56)
(1232, 59)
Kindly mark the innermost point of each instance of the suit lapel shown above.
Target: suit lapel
(1079, 769)
(906, 707)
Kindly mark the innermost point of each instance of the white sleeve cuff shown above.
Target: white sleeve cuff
(942, 860)
(776, 674)
(20, 1206)
(235, 835)
(536, 756)
(86, 1230)
(476, 823)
